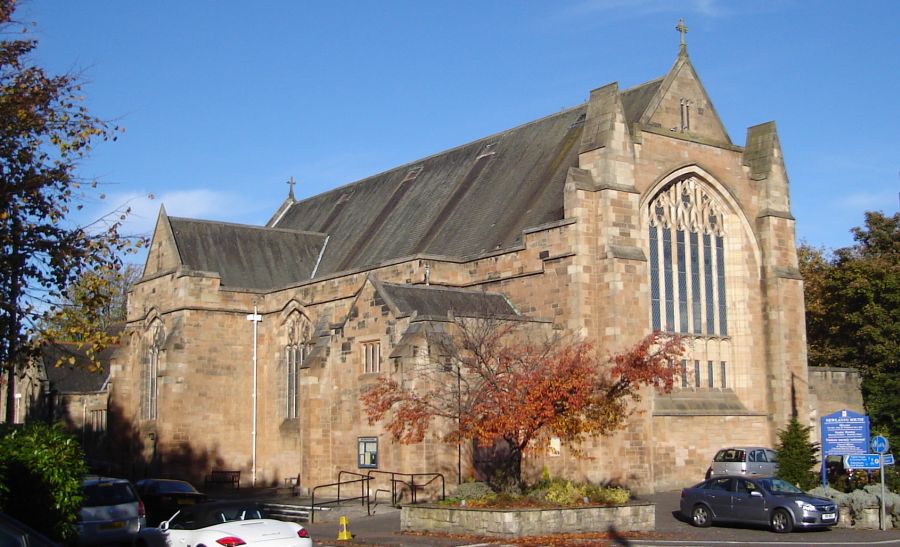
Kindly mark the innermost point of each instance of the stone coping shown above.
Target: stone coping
(637, 516)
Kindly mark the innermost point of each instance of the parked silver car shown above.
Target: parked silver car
(111, 512)
(753, 461)
(766, 501)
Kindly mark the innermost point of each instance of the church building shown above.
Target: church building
(247, 347)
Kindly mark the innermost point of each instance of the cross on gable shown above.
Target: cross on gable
(291, 183)
(682, 29)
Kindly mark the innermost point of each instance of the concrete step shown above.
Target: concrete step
(291, 513)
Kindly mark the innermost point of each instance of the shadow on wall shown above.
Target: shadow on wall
(114, 445)
(133, 451)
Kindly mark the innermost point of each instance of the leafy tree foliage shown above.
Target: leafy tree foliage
(45, 131)
(41, 469)
(853, 312)
(797, 455)
(496, 384)
(96, 300)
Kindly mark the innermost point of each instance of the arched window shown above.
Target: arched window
(294, 353)
(687, 261)
(687, 246)
(150, 376)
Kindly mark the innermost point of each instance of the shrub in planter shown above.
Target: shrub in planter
(891, 500)
(473, 490)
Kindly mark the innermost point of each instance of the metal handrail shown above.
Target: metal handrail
(411, 484)
(363, 497)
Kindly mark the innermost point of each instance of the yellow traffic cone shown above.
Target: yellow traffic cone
(344, 533)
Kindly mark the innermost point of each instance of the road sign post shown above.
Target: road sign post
(881, 445)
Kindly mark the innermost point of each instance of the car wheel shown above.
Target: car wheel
(782, 523)
(700, 516)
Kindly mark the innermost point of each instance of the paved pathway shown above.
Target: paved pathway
(382, 528)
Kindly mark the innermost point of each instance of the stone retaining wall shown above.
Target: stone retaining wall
(634, 517)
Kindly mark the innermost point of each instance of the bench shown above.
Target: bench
(222, 476)
(291, 485)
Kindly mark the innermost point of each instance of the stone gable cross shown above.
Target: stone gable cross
(682, 29)
(291, 183)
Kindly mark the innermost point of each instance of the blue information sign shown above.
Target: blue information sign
(845, 432)
(864, 461)
(888, 459)
(879, 444)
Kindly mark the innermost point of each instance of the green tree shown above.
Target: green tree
(797, 455)
(41, 469)
(853, 312)
(81, 310)
(45, 131)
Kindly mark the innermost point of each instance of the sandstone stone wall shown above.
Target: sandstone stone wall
(634, 517)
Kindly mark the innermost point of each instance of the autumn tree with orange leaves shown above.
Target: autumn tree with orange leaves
(491, 381)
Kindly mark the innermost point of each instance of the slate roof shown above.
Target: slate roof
(636, 99)
(431, 301)
(77, 378)
(463, 202)
(470, 200)
(247, 257)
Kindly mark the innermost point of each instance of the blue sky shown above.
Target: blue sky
(223, 101)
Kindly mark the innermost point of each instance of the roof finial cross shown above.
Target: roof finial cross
(682, 29)
(291, 183)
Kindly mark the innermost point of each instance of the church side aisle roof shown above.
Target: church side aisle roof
(247, 257)
(441, 301)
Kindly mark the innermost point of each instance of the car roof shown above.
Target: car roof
(147, 481)
(95, 479)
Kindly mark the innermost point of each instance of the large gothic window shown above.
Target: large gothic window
(687, 261)
(686, 238)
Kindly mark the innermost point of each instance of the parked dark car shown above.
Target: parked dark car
(164, 497)
(17, 534)
(767, 501)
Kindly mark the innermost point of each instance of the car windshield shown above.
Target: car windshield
(107, 493)
(730, 455)
(202, 516)
(174, 487)
(778, 486)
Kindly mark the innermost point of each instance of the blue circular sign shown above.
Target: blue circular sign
(879, 444)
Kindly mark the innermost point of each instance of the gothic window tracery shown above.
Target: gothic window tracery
(686, 235)
(687, 261)
(295, 352)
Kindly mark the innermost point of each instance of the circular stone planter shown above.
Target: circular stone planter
(490, 522)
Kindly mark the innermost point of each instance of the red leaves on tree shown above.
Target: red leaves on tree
(496, 387)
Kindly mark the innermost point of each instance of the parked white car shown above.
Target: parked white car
(225, 524)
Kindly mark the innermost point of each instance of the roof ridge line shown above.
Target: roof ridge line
(248, 226)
